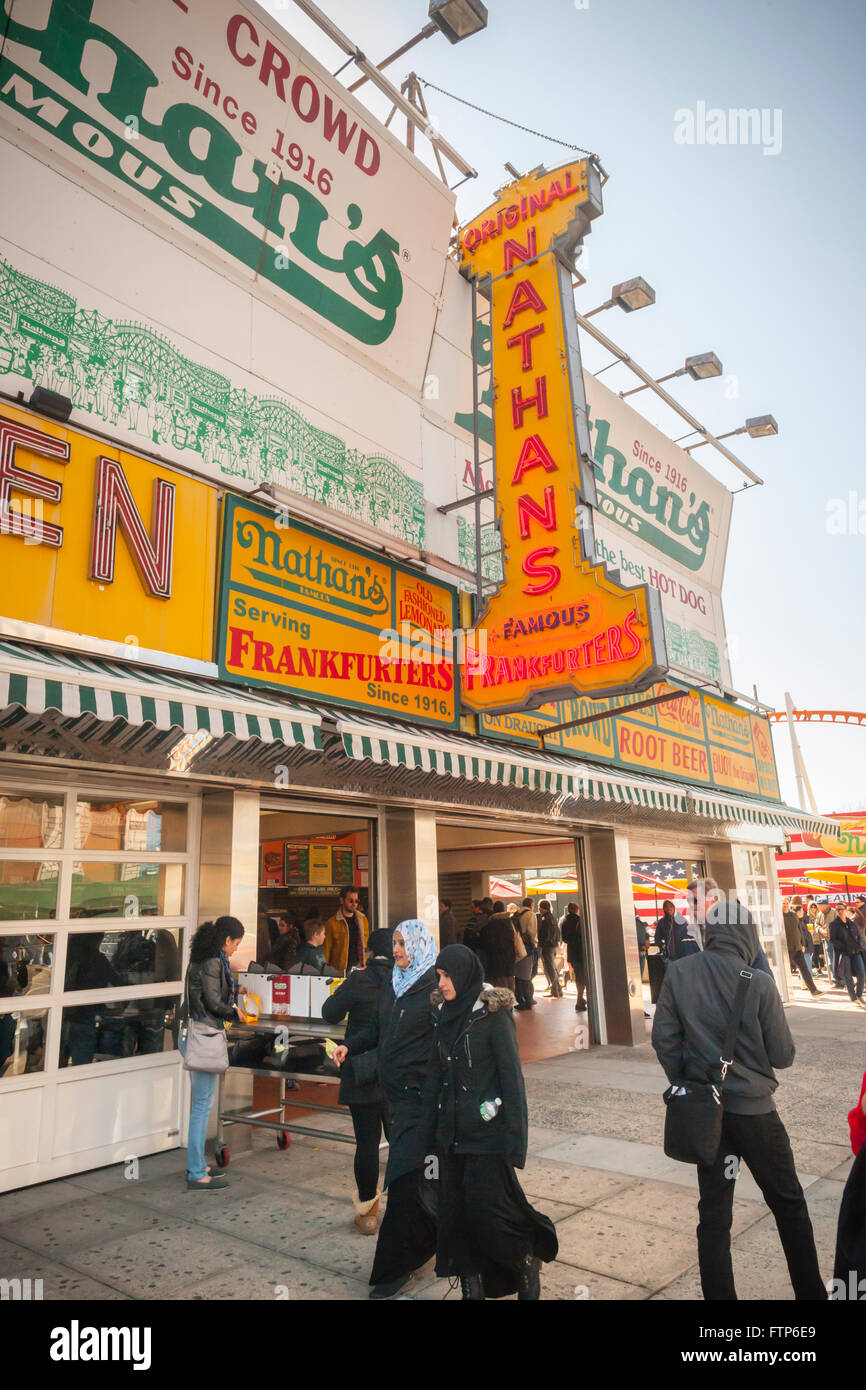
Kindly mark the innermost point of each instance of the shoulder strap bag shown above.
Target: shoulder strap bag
(206, 1046)
(693, 1109)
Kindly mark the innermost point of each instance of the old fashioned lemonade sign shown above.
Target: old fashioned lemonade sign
(561, 624)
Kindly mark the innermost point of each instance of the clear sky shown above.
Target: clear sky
(757, 257)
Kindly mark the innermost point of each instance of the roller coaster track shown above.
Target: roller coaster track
(820, 716)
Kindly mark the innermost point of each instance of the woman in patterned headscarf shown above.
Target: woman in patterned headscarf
(402, 1035)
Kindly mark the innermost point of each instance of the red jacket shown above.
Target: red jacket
(857, 1121)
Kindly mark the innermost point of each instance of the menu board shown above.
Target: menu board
(342, 864)
(297, 862)
(320, 864)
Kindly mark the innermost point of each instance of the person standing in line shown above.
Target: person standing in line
(402, 1033)
(572, 934)
(845, 935)
(549, 938)
(793, 920)
(357, 1000)
(525, 922)
(849, 1267)
(478, 919)
(497, 948)
(672, 934)
(475, 921)
(209, 998)
(689, 1029)
(825, 916)
(346, 933)
(488, 1234)
(447, 923)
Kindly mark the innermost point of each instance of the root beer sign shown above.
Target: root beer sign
(560, 625)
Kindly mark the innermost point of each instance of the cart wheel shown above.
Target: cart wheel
(223, 1157)
(284, 1139)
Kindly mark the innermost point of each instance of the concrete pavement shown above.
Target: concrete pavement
(625, 1214)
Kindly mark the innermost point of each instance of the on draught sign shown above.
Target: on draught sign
(560, 625)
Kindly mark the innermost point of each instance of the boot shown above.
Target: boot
(472, 1288)
(367, 1216)
(529, 1280)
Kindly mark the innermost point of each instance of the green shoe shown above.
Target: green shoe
(212, 1184)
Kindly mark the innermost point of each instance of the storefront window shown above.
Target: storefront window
(28, 889)
(304, 861)
(22, 1042)
(31, 822)
(148, 827)
(99, 960)
(25, 965)
(128, 1028)
(127, 890)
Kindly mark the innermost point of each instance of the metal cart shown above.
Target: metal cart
(296, 1029)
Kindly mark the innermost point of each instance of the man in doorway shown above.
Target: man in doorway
(346, 933)
(689, 1029)
(497, 948)
(571, 929)
(672, 934)
(447, 924)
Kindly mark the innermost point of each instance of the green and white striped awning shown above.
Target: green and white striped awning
(37, 680)
(476, 760)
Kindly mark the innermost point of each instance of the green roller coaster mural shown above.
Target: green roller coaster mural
(128, 375)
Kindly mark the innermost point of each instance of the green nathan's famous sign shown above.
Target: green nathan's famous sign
(289, 204)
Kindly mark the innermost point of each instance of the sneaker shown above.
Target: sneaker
(382, 1291)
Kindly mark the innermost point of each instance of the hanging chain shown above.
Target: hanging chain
(540, 134)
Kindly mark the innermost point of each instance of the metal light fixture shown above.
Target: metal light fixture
(700, 367)
(757, 427)
(629, 295)
(458, 19)
(703, 366)
(51, 403)
(760, 425)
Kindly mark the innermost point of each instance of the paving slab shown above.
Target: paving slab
(24, 1201)
(58, 1230)
(621, 1248)
(757, 1280)
(567, 1182)
(277, 1280)
(161, 1262)
(655, 1204)
(645, 1161)
(62, 1284)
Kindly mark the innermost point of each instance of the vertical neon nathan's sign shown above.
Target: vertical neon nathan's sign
(560, 625)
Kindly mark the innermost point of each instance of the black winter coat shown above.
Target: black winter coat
(484, 1064)
(693, 1012)
(845, 937)
(572, 934)
(549, 935)
(357, 1000)
(497, 946)
(210, 989)
(402, 1034)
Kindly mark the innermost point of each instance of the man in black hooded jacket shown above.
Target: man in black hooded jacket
(691, 1020)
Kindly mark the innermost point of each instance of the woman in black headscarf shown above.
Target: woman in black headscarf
(489, 1236)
